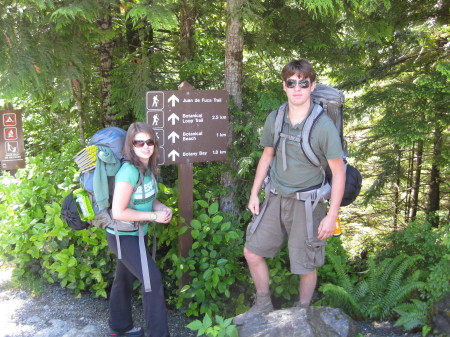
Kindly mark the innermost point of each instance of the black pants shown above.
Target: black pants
(128, 269)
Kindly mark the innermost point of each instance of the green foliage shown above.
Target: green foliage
(223, 328)
(386, 285)
(159, 13)
(284, 284)
(420, 237)
(413, 314)
(35, 239)
(214, 264)
(334, 250)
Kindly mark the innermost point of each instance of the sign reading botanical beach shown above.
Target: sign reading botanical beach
(191, 125)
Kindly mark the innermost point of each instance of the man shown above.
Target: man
(290, 171)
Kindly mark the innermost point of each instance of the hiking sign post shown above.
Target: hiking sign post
(191, 126)
(12, 153)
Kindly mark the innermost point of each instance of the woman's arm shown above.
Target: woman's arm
(120, 210)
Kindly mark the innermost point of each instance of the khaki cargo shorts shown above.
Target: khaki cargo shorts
(285, 218)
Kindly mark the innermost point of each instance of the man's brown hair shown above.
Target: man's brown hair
(301, 68)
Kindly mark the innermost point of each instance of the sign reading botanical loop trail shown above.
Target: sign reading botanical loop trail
(12, 154)
(191, 125)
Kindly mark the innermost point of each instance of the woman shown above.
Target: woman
(141, 149)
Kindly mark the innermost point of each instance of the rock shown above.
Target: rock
(87, 331)
(299, 322)
(56, 328)
(440, 315)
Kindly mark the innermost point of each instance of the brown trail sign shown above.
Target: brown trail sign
(12, 153)
(191, 125)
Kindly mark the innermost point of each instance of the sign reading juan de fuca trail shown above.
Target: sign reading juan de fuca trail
(191, 125)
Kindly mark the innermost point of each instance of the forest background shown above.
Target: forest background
(75, 66)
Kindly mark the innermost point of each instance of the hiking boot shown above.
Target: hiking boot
(135, 332)
(299, 305)
(261, 305)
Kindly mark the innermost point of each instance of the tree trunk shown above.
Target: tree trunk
(434, 192)
(409, 183)
(188, 16)
(233, 84)
(397, 190)
(77, 94)
(417, 178)
(105, 51)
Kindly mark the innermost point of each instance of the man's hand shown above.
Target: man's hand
(253, 204)
(326, 227)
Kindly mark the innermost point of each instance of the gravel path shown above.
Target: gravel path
(57, 313)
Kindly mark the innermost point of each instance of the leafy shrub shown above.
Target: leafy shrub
(167, 242)
(223, 328)
(419, 237)
(35, 239)
(214, 263)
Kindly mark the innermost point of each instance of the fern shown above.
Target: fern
(344, 299)
(386, 286)
(344, 279)
(412, 315)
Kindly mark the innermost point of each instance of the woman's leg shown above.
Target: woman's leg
(154, 302)
(120, 312)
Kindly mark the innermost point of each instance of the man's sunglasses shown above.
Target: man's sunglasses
(140, 143)
(301, 83)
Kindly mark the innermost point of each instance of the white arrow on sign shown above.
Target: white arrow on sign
(173, 135)
(172, 99)
(173, 154)
(172, 118)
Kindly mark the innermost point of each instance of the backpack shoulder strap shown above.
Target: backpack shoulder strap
(281, 112)
(306, 135)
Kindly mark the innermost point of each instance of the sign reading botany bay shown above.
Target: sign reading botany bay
(191, 125)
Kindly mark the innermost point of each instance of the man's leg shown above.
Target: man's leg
(307, 286)
(259, 271)
(260, 275)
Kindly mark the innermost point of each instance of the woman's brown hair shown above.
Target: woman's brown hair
(129, 153)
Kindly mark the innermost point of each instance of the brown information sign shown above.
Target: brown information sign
(191, 125)
(12, 153)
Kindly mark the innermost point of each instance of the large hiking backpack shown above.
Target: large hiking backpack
(98, 163)
(328, 100)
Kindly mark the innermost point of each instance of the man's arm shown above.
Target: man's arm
(327, 225)
(260, 175)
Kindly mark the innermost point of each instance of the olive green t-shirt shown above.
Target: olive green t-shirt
(300, 173)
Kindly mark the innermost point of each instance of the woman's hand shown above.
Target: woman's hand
(164, 215)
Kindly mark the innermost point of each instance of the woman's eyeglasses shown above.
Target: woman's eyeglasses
(140, 143)
(301, 83)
